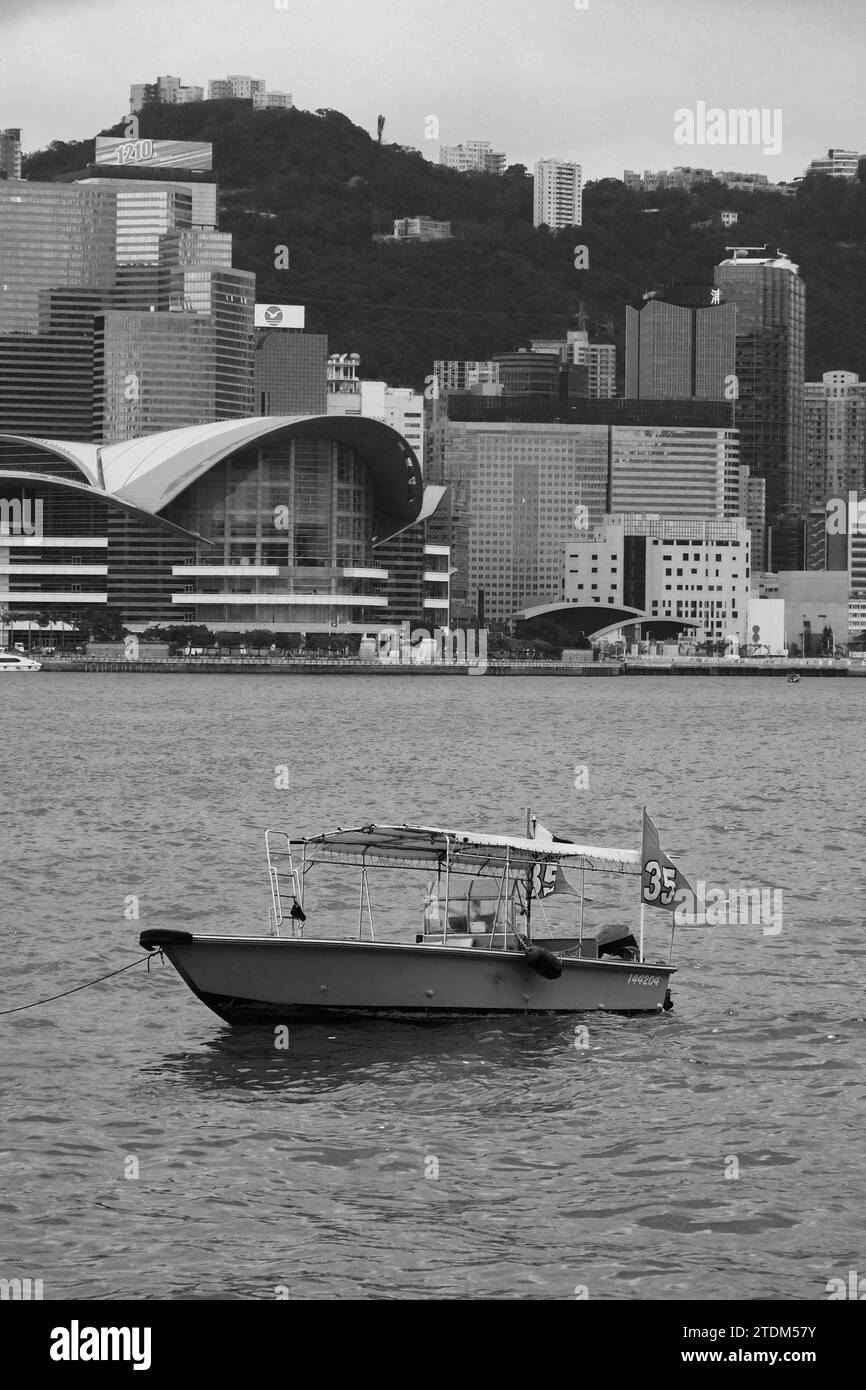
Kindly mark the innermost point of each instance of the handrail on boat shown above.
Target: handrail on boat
(276, 917)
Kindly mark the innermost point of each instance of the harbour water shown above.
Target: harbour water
(149, 1151)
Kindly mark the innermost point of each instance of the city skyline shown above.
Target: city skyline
(526, 100)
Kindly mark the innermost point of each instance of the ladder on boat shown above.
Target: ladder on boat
(278, 848)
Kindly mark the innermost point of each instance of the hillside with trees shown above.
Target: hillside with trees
(321, 186)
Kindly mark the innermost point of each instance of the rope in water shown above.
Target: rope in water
(51, 997)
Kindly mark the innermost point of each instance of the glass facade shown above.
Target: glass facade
(57, 251)
(771, 320)
(676, 351)
(518, 494)
(292, 519)
(152, 372)
(291, 370)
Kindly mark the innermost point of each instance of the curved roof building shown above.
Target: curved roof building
(292, 523)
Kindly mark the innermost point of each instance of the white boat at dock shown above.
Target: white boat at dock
(477, 949)
(16, 661)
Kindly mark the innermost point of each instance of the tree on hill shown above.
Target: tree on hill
(322, 186)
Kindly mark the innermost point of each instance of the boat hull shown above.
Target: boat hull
(255, 980)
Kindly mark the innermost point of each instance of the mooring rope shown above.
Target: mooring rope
(51, 997)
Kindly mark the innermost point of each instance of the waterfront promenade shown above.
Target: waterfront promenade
(348, 666)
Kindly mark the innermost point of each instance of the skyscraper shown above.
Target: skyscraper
(10, 153)
(57, 269)
(520, 491)
(558, 191)
(680, 345)
(835, 457)
(770, 369)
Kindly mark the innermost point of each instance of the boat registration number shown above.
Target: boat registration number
(644, 979)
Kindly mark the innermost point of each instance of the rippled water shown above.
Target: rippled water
(558, 1167)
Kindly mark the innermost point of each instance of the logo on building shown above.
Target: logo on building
(279, 316)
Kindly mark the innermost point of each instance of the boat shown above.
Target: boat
(15, 661)
(479, 947)
(794, 678)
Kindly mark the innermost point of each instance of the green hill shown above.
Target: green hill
(317, 183)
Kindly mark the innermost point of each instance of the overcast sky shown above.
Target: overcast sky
(536, 77)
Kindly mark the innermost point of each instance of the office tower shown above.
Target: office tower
(145, 210)
(151, 372)
(558, 194)
(190, 361)
(291, 371)
(680, 345)
(57, 268)
(517, 491)
(770, 299)
(10, 153)
(472, 156)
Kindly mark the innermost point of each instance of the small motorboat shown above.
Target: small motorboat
(794, 678)
(478, 949)
(15, 661)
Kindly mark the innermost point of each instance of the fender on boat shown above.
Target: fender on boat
(155, 937)
(543, 962)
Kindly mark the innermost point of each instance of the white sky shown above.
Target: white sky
(536, 77)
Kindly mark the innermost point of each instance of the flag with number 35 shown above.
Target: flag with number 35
(662, 884)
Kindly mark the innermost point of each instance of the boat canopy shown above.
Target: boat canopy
(463, 851)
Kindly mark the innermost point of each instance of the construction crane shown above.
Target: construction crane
(584, 321)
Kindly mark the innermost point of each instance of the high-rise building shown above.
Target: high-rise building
(57, 269)
(770, 299)
(558, 194)
(839, 164)
(599, 360)
(835, 412)
(472, 156)
(117, 316)
(291, 370)
(680, 344)
(519, 490)
(192, 360)
(10, 153)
